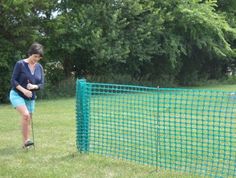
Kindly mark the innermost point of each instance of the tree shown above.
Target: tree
(173, 41)
(19, 26)
(200, 36)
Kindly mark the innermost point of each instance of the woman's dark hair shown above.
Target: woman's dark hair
(35, 48)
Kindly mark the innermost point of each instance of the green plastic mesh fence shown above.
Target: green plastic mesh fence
(184, 130)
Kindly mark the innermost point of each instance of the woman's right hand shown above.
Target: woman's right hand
(28, 93)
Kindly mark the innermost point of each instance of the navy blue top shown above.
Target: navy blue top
(22, 76)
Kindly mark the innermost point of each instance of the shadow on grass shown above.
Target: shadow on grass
(70, 156)
(9, 151)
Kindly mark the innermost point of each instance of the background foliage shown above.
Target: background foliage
(124, 41)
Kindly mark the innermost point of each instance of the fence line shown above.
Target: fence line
(184, 130)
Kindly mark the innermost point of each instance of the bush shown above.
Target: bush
(164, 81)
(56, 84)
(54, 72)
(64, 88)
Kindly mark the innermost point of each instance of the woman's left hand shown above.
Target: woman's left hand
(31, 86)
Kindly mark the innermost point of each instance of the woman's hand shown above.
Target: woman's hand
(28, 93)
(31, 86)
(25, 91)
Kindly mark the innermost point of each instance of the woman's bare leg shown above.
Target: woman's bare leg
(25, 122)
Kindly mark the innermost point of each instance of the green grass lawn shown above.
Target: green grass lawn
(55, 153)
(219, 87)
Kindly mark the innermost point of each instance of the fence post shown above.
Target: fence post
(82, 115)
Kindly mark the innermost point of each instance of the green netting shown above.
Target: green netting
(184, 130)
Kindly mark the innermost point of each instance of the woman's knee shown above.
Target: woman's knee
(26, 115)
(23, 112)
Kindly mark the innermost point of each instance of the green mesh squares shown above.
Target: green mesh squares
(192, 131)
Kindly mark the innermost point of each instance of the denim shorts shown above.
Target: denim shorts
(17, 100)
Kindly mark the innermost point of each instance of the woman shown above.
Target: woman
(27, 77)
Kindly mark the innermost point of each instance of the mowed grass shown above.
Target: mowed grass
(219, 87)
(55, 153)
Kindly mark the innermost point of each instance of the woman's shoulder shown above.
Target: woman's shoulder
(38, 65)
(19, 62)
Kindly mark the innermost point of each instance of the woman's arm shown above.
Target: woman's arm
(41, 84)
(14, 81)
(26, 92)
(15, 75)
